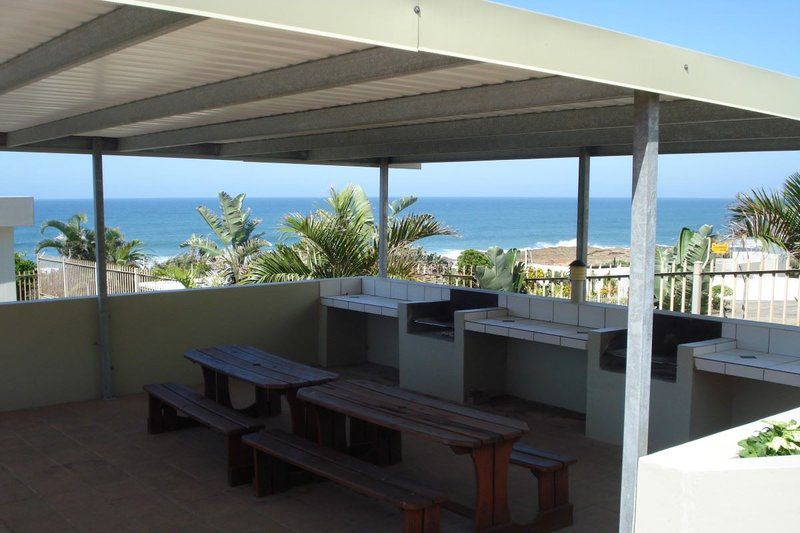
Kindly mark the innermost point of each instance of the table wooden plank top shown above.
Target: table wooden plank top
(410, 412)
(262, 369)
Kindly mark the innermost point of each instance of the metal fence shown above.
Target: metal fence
(60, 277)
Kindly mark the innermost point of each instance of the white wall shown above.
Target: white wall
(702, 486)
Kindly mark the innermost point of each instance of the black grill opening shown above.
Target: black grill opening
(668, 332)
(437, 318)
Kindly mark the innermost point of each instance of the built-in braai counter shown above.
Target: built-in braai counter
(469, 345)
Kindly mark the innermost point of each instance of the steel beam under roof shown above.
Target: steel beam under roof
(101, 36)
(346, 69)
(680, 112)
(505, 97)
(765, 128)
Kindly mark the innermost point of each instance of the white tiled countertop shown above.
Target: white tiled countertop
(568, 335)
(364, 303)
(725, 358)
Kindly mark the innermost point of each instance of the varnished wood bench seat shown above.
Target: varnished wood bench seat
(167, 399)
(275, 450)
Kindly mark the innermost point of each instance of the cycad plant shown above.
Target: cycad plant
(342, 240)
(238, 243)
(76, 241)
(773, 217)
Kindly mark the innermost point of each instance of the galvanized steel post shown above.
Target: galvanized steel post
(383, 224)
(103, 337)
(640, 302)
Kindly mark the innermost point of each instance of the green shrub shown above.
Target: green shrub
(23, 264)
(778, 438)
(471, 258)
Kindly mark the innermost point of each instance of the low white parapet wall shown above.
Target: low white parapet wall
(703, 486)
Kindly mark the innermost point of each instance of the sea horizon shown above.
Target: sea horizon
(520, 222)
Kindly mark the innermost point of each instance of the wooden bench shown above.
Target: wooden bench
(166, 399)
(551, 471)
(276, 450)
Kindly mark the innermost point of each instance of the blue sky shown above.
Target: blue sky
(763, 33)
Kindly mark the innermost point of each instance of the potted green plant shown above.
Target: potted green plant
(777, 438)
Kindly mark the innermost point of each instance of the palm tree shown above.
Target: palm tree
(342, 240)
(773, 217)
(76, 241)
(235, 230)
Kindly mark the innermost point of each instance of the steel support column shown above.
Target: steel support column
(383, 223)
(582, 237)
(103, 345)
(640, 301)
(577, 271)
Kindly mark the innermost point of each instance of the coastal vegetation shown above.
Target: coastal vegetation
(236, 244)
(342, 240)
(503, 273)
(773, 217)
(23, 265)
(75, 240)
(470, 258)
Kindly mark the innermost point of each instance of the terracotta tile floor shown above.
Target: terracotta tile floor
(90, 466)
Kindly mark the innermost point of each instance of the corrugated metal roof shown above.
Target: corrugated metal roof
(25, 24)
(453, 78)
(206, 52)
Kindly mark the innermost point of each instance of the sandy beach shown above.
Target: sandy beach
(564, 255)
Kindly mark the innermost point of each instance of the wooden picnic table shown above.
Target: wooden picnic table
(379, 414)
(271, 375)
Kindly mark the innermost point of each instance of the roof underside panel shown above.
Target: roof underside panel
(441, 80)
(179, 85)
(203, 53)
(25, 24)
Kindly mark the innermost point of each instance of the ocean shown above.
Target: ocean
(481, 222)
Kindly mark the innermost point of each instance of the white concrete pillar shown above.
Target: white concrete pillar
(14, 212)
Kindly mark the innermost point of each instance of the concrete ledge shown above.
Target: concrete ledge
(703, 486)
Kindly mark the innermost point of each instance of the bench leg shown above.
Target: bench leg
(421, 521)
(383, 446)
(155, 416)
(161, 417)
(299, 414)
(240, 461)
(330, 428)
(268, 403)
(271, 475)
(555, 510)
(215, 387)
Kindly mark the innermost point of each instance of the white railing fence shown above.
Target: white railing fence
(761, 295)
(60, 277)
